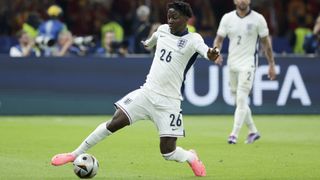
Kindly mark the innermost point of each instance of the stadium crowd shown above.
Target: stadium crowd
(115, 28)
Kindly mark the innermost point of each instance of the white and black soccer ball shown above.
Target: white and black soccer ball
(85, 166)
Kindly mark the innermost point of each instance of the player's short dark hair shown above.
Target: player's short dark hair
(182, 7)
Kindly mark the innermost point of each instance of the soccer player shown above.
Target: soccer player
(159, 99)
(244, 27)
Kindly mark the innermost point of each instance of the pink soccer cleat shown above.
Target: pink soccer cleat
(61, 159)
(197, 166)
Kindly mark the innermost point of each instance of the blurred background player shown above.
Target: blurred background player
(159, 99)
(244, 27)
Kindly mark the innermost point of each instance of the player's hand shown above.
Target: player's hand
(144, 43)
(272, 72)
(219, 60)
(214, 55)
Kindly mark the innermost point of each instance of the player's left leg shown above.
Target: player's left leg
(168, 118)
(243, 87)
(171, 152)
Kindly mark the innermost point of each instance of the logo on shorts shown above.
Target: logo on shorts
(173, 129)
(127, 101)
(182, 43)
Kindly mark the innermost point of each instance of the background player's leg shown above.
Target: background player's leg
(241, 111)
(244, 85)
(253, 132)
(105, 129)
(249, 122)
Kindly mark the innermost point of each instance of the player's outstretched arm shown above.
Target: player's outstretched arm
(218, 44)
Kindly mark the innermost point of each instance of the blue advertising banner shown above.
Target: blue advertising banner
(91, 86)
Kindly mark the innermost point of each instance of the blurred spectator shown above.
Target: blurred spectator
(312, 41)
(191, 24)
(53, 26)
(49, 32)
(25, 46)
(124, 49)
(141, 28)
(87, 17)
(298, 35)
(64, 46)
(296, 9)
(108, 48)
(32, 24)
(113, 26)
(205, 21)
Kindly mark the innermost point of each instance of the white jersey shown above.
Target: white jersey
(243, 34)
(173, 57)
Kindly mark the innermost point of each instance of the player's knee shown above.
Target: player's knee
(241, 102)
(118, 121)
(241, 99)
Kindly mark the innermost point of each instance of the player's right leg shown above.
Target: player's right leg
(170, 152)
(233, 82)
(253, 132)
(105, 129)
(129, 110)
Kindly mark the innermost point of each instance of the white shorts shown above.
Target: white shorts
(165, 112)
(241, 79)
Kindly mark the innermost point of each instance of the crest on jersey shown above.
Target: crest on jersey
(249, 28)
(182, 43)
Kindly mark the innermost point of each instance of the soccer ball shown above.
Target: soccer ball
(85, 166)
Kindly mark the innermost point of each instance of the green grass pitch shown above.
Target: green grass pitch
(289, 148)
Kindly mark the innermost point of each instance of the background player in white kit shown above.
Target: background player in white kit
(159, 98)
(244, 27)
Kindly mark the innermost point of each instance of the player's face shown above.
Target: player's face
(177, 22)
(242, 4)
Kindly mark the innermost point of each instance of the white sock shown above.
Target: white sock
(249, 121)
(179, 155)
(96, 136)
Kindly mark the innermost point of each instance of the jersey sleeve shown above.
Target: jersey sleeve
(263, 30)
(152, 41)
(222, 30)
(200, 46)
